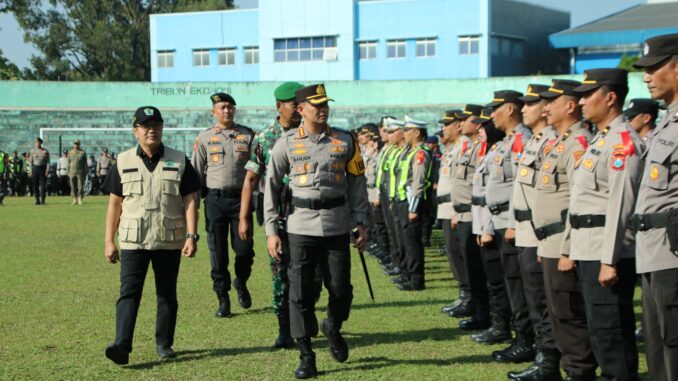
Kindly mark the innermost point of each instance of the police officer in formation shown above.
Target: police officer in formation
(77, 171)
(219, 157)
(39, 159)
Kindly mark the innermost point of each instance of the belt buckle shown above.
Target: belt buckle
(539, 233)
(641, 222)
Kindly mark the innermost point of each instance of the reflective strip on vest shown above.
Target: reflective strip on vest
(391, 170)
(405, 173)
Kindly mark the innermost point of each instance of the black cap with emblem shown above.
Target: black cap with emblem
(595, 78)
(561, 87)
(532, 94)
(451, 116)
(471, 110)
(145, 114)
(658, 49)
(505, 96)
(642, 106)
(484, 116)
(313, 94)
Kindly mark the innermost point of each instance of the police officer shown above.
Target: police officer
(396, 156)
(414, 201)
(382, 185)
(152, 206)
(655, 218)
(219, 157)
(561, 282)
(641, 115)
(103, 166)
(16, 172)
(77, 171)
(328, 196)
(39, 159)
(604, 191)
(377, 236)
(288, 118)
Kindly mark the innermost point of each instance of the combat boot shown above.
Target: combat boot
(465, 309)
(479, 320)
(284, 339)
(519, 351)
(244, 297)
(224, 310)
(498, 332)
(546, 367)
(338, 345)
(456, 303)
(307, 368)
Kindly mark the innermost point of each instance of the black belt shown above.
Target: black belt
(371, 186)
(443, 199)
(499, 208)
(587, 221)
(462, 208)
(317, 204)
(548, 230)
(522, 215)
(228, 193)
(642, 222)
(478, 201)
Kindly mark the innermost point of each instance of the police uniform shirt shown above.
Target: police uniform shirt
(220, 155)
(371, 173)
(606, 183)
(524, 192)
(470, 154)
(104, 164)
(482, 217)
(446, 178)
(502, 172)
(418, 176)
(658, 193)
(39, 157)
(190, 182)
(326, 166)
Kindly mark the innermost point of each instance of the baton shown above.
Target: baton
(356, 235)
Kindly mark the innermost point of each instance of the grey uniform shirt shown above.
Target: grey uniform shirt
(446, 179)
(553, 181)
(606, 183)
(469, 156)
(104, 165)
(39, 157)
(502, 172)
(524, 192)
(482, 218)
(658, 193)
(220, 155)
(324, 166)
(418, 176)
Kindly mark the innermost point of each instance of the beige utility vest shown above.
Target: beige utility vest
(153, 216)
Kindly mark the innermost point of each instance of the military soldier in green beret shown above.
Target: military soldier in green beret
(77, 170)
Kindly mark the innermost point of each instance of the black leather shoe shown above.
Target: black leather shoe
(407, 286)
(338, 346)
(463, 310)
(307, 368)
(394, 271)
(284, 339)
(492, 335)
(165, 352)
(399, 279)
(224, 310)
(519, 351)
(475, 322)
(117, 354)
(536, 372)
(585, 377)
(244, 297)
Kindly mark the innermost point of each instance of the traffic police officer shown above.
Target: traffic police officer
(39, 159)
(396, 156)
(219, 157)
(641, 115)
(16, 171)
(152, 206)
(288, 118)
(382, 184)
(656, 216)
(77, 170)
(603, 197)
(328, 188)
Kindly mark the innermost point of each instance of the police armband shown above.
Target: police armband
(356, 166)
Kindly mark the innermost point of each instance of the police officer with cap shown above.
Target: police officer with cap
(604, 192)
(219, 157)
(656, 216)
(77, 170)
(328, 197)
(39, 159)
(152, 207)
(641, 115)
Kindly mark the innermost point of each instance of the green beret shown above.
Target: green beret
(286, 91)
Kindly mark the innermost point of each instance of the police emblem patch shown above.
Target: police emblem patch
(654, 173)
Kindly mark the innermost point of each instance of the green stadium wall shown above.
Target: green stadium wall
(28, 107)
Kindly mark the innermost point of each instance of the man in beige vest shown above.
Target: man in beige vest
(152, 206)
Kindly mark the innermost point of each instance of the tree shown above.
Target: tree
(626, 62)
(8, 70)
(91, 40)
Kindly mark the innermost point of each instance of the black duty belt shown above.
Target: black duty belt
(228, 193)
(443, 199)
(317, 204)
(548, 230)
(522, 215)
(371, 186)
(642, 222)
(478, 201)
(499, 208)
(585, 221)
(462, 208)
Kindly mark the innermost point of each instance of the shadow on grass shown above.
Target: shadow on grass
(371, 363)
(412, 336)
(199, 354)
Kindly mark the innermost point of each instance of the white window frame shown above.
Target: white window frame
(429, 45)
(396, 44)
(316, 48)
(468, 42)
(370, 48)
(204, 57)
(229, 56)
(165, 59)
(251, 55)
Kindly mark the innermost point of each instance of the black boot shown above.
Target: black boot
(465, 309)
(479, 320)
(545, 368)
(498, 332)
(224, 309)
(338, 345)
(463, 297)
(306, 367)
(519, 351)
(244, 298)
(284, 339)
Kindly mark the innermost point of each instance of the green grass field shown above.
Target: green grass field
(57, 314)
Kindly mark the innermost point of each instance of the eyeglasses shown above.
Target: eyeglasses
(153, 126)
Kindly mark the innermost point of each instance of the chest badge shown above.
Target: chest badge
(545, 179)
(588, 163)
(654, 173)
(560, 148)
(601, 143)
(523, 172)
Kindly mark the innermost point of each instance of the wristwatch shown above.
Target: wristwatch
(195, 237)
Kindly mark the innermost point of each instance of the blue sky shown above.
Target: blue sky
(582, 11)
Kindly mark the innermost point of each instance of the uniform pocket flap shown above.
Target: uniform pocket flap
(171, 175)
(129, 177)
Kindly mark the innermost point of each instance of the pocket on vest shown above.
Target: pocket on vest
(171, 180)
(131, 183)
(173, 229)
(129, 230)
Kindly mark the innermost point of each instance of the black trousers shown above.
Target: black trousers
(379, 234)
(494, 271)
(473, 261)
(393, 247)
(514, 287)
(133, 269)
(399, 242)
(660, 317)
(64, 188)
(455, 257)
(535, 296)
(39, 182)
(102, 180)
(610, 318)
(222, 215)
(334, 257)
(568, 319)
(414, 245)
